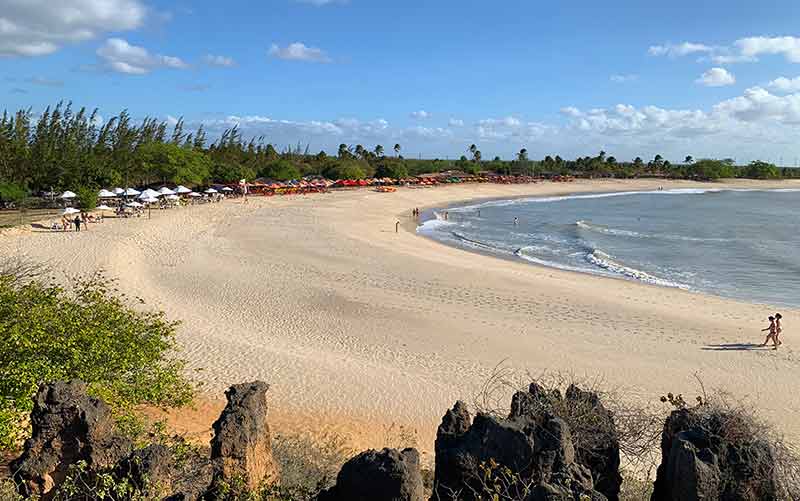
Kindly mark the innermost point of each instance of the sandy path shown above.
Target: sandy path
(359, 327)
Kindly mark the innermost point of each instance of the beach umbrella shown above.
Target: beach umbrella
(182, 190)
(68, 195)
(166, 191)
(149, 200)
(130, 192)
(194, 195)
(118, 191)
(134, 204)
(106, 194)
(103, 208)
(227, 188)
(148, 193)
(211, 191)
(69, 211)
(173, 197)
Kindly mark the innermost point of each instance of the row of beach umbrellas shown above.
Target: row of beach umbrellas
(148, 193)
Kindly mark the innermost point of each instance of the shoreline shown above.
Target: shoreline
(414, 226)
(359, 329)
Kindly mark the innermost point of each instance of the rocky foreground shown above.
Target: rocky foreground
(530, 455)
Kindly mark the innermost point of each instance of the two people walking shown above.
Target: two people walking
(774, 331)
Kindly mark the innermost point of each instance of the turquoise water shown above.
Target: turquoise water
(742, 244)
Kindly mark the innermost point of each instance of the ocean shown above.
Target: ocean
(741, 244)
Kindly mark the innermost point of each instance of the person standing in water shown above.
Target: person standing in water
(516, 221)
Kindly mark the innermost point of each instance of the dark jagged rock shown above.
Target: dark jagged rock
(157, 473)
(536, 447)
(241, 448)
(698, 463)
(68, 426)
(598, 447)
(387, 475)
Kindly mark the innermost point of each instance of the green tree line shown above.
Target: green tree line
(63, 148)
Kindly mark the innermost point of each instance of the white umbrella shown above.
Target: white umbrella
(227, 188)
(150, 200)
(69, 211)
(68, 194)
(182, 190)
(130, 192)
(193, 194)
(148, 193)
(166, 191)
(135, 204)
(173, 197)
(119, 191)
(211, 191)
(103, 208)
(106, 194)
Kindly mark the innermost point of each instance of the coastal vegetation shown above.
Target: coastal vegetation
(88, 332)
(63, 148)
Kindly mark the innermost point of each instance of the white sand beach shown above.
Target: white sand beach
(359, 328)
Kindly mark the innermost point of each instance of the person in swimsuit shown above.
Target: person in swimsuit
(778, 329)
(772, 333)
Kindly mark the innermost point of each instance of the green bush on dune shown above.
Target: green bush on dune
(48, 333)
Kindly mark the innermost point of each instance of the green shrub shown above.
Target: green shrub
(12, 192)
(48, 333)
(87, 198)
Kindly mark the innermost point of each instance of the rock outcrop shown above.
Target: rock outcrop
(595, 437)
(386, 475)
(700, 461)
(241, 448)
(528, 448)
(68, 426)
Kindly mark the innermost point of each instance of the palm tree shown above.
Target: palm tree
(343, 152)
(522, 156)
(477, 156)
(359, 151)
(688, 160)
(379, 151)
(397, 149)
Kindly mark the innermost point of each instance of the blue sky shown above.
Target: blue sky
(678, 78)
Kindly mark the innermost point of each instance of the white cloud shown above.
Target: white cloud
(222, 61)
(752, 47)
(45, 82)
(507, 122)
(420, 115)
(677, 50)
(759, 105)
(41, 27)
(299, 52)
(119, 56)
(784, 84)
(624, 78)
(716, 77)
(454, 122)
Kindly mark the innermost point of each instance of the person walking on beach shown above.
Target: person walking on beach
(77, 222)
(773, 333)
(397, 227)
(778, 329)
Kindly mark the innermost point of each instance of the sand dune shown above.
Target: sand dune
(359, 327)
